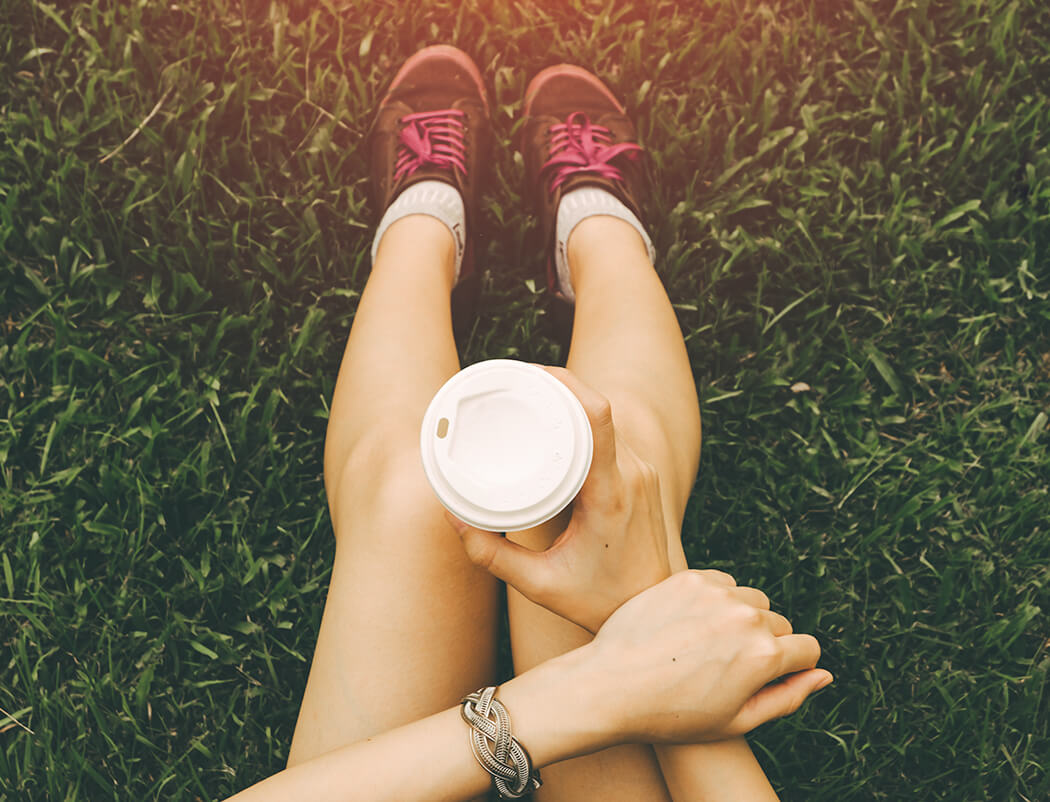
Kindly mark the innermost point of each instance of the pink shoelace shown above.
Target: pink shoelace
(582, 147)
(431, 137)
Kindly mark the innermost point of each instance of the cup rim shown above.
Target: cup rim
(474, 513)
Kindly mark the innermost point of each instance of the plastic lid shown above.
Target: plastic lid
(505, 445)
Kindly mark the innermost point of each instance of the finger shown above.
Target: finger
(721, 577)
(604, 471)
(779, 699)
(799, 652)
(516, 565)
(778, 625)
(752, 596)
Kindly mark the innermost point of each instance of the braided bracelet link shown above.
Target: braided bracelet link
(509, 764)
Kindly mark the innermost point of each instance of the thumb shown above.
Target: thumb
(516, 565)
(779, 699)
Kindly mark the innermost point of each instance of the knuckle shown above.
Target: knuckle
(743, 614)
(694, 577)
(766, 656)
(720, 599)
(725, 576)
(753, 616)
(693, 583)
(716, 577)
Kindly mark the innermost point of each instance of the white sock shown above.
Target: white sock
(435, 198)
(574, 207)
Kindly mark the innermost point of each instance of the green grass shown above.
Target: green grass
(851, 195)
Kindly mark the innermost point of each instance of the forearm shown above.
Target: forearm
(431, 759)
(720, 770)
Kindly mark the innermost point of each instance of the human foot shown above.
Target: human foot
(580, 160)
(430, 143)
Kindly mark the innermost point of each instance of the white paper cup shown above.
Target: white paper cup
(505, 445)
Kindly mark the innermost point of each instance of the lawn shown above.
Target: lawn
(851, 206)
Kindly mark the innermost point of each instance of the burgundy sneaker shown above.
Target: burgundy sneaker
(433, 124)
(575, 133)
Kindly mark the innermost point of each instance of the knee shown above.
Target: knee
(674, 453)
(379, 448)
(649, 432)
(380, 476)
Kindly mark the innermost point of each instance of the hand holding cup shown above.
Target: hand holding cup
(615, 545)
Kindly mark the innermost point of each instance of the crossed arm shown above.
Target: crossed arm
(702, 673)
(687, 661)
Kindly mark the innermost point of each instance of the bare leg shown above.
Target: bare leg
(410, 624)
(627, 344)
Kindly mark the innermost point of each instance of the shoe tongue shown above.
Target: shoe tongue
(580, 180)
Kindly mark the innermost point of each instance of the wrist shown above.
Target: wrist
(558, 710)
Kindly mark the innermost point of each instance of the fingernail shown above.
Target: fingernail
(825, 682)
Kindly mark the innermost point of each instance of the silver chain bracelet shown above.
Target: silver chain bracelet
(505, 759)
